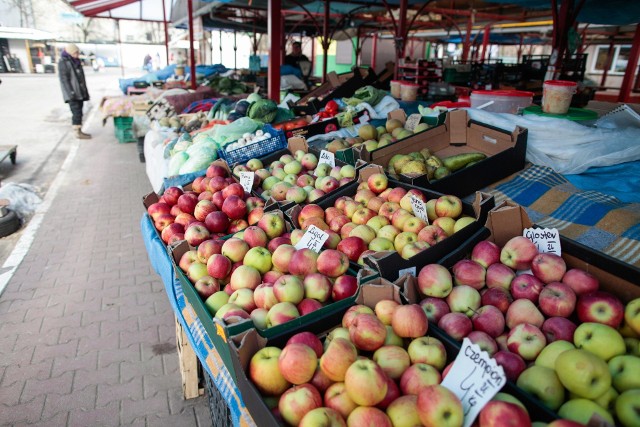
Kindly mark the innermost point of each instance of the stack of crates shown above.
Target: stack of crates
(124, 129)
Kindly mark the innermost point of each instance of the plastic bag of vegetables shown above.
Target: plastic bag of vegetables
(200, 157)
(224, 134)
(176, 162)
(264, 110)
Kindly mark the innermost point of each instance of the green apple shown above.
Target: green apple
(633, 346)
(628, 408)
(583, 373)
(601, 340)
(625, 372)
(607, 399)
(216, 301)
(581, 411)
(632, 315)
(506, 397)
(542, 383)
(548, 355)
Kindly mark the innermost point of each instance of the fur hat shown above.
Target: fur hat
(71, 48)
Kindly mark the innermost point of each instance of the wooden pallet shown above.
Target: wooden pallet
(192, 380)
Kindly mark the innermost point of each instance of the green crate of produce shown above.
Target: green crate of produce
(124, 129)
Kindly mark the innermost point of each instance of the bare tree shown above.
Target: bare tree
(26, 11)
(84, 27)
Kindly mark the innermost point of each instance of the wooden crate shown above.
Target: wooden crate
(190, 369)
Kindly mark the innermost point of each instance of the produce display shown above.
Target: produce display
(296, 177)
(558, 335)
(378, 367)
(380, 218)
(555, 333)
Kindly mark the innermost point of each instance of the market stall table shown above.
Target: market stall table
(197, 336)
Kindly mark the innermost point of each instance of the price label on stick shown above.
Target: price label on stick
(327, 157)
(546, 239)
(475, 378)
(246, 180)
(419, 208)
(412, 121)
(312, 239)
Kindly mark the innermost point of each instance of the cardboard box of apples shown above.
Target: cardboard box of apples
(294, 175)
(565, 329)
(377, 364)
(476, 155)
(373, 220)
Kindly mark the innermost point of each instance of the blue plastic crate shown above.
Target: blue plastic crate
(240, 155)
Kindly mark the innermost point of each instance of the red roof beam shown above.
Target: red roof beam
(110, 6)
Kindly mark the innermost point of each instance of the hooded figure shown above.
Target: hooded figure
(74, 86)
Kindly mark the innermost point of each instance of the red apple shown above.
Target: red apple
(332, 263)
(218, 266)
(196, 234)
(434, 280)
(432, 234)
(309, 339)
(548, 267)
(499, 276)
(498, 413)
(377, 182)
(308, 305)
(581, 281)
(600, 307)
(297, 363)
(488, 319)
(448, 206)
(255, 236)
(470, 273)
(365, 382)
(217, 222)
(235, 249)
(526, 340)
(337, 358)
(557, 299)
(439, 407)
(234, 207)
(171, 195)
(273, 244)
(364, 416)
(264, 373)
(171, 230)
(158, 208)
(434, 308)
(523, 311)
(512, 364)
(337, 398)
(208, 248)
(497, 297)
(245, 277)
(409, 321)
(216, 170)
(367, 332)
(486, 253)
(264, 297)
(558, 328)
(234, 189)
(518, 253)
(303, 262)
(526, 286)
(206, 286)
(457, 325)
(344, 287)
(297, 401)
(187, 202)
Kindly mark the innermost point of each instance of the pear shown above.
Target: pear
(337, 145)
(434, 161)
(421, 127)
(441, 172)
(367, 132)
(417, 156)
(414, 167)
(404, 133)
(393, 124)
(396, 131)
(401, 161)
(381, 130)
(371, 144)
(426, 153)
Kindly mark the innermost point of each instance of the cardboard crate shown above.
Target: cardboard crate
(390, 263)
(505, 153)
(219, 331)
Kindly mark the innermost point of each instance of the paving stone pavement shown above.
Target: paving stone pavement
(87, 335)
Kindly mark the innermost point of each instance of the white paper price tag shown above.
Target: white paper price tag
(412, 121)
(475, 378)
(546, 239)
(246, 180)
(327, 157)
(419, 208)
(312, 239)
(409, 270)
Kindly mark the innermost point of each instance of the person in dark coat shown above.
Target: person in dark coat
(74, 86)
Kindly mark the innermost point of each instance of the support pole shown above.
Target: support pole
(632, 66)
(401, 33)
(325, 40)
(192, 54)
(485, 42)
(235, 51)
(166, 31)
(607, 64)
(120, 47)
(467, 39)
(374, 47)
(275, 49)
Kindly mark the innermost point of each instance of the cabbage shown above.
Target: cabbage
(264, 110)
(176, 162)
(200, 158)
(254, 97)
(185, 136)
(168, 149)
(181, 145)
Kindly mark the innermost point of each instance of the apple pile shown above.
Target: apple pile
(380, 218)
(296, 178)
(257, 274)
(555, 333)
(215, 206)
(376, 369)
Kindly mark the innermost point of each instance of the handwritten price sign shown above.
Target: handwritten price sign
(546, 239)
(419, 208)
(246, 180)
(475, 378)
(327, 157)
(312, 239)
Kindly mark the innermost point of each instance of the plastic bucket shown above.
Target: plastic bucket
(395, 88)
(556, 96)
(501, 101)
(409, 91)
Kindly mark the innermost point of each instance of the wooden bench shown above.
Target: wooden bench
(8, 151)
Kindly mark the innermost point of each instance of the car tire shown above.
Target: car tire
(9, 223)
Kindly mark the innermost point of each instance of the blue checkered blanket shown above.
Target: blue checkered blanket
(595, 219)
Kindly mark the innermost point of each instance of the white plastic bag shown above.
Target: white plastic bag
(23, 198)
(565, 146)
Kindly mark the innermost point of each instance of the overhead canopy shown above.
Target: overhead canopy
(605, 12)
(138, 10)
(25, 34)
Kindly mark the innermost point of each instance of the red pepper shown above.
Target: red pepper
(332, 107)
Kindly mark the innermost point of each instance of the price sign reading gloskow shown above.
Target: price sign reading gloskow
(327, 157)
(545, 239)
(475, 378)
(312, 239)
(246, 180)
(419, 208)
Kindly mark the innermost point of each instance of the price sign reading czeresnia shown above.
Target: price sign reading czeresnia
(475, 378)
